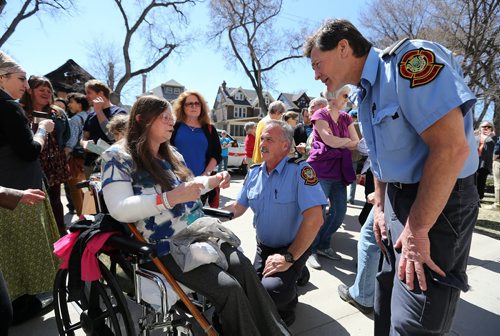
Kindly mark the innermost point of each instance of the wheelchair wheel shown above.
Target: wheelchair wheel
(102, 310)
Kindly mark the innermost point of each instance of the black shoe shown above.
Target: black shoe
(288, 317)
(346, 296)
(304, 277)
(25, 307)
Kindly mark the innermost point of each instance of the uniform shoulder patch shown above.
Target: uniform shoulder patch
(309, 176)
(419, 67)
(296, 160)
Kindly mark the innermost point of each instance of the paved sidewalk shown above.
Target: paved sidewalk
(321, 311)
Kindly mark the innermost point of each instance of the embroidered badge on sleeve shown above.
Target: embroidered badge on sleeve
(309, 176)
(419, 67)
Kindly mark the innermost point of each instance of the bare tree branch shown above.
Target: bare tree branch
(30, 8)
(246, 26)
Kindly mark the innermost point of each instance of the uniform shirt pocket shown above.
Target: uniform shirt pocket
(391, 128)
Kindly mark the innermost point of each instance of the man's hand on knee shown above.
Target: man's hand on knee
(274, 264)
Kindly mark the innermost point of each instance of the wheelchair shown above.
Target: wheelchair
(103, 307)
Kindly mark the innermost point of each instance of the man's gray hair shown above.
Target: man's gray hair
(276, 107)
(286, 130)
(248, 126)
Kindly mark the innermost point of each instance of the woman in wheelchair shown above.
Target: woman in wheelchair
(145, 181)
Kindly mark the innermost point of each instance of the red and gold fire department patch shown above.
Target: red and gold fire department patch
(419, 67)
(309, 176)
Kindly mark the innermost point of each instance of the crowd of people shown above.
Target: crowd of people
(165, 162)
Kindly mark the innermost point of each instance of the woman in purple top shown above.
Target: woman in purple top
(334, 137)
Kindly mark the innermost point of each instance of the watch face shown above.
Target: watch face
(288, 257)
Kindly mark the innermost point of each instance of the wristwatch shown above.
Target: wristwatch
(288, 257)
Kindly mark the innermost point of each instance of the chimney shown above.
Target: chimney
(224, 85)
(144, 78)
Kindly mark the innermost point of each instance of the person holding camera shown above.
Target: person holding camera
(38, 103)
(27, 232)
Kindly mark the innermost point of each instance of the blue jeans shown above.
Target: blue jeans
(363, 289)
(223, 164)
(336, 192)
(352, 187)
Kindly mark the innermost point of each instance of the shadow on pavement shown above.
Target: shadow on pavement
(485, 322)
(308, 315)
(40, 325)
(491, 265)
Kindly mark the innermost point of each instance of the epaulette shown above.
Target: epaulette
(296, 160)
(393, 48)
(255, 165)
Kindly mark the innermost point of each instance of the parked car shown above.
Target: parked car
(236, 155)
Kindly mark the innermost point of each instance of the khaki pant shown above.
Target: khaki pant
(496, 181)
(77, 174)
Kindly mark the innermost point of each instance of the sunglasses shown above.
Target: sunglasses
(487, 126)
(192, 104)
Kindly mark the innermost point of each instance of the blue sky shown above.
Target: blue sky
(42, 45)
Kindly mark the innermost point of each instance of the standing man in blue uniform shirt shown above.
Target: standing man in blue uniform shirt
(414, 107)
(286, 199)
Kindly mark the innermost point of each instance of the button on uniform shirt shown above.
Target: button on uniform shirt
(278, 199)
(401, 96)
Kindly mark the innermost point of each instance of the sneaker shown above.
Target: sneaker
(346, 296)
(329, 253)
(313, 261)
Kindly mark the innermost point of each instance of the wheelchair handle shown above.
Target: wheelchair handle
(209, 329)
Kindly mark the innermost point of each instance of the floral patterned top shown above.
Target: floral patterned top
(156, 224)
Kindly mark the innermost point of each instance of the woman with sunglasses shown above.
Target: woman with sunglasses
(146, 182)
(486, 140)
(334, 137)
(195, 137)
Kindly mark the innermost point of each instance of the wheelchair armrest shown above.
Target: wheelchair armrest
(219, 213)
(82, 184)
(131, 245)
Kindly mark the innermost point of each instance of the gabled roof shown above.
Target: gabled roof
(172, 82)
(69, 77)
(251, 99)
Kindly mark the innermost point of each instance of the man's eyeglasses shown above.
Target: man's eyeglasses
(192, 104)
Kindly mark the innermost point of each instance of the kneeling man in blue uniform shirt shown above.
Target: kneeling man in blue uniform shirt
(286, 199)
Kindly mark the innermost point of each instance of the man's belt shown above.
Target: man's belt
(459, 185)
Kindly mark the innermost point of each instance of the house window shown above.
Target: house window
(237, 130)
(240, 112)
(177, 91)
(238, 96)
(168, 90)
(266, 100)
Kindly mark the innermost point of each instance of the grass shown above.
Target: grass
(488, 221)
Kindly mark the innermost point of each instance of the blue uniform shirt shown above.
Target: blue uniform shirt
(401, 96)
(278, 200)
